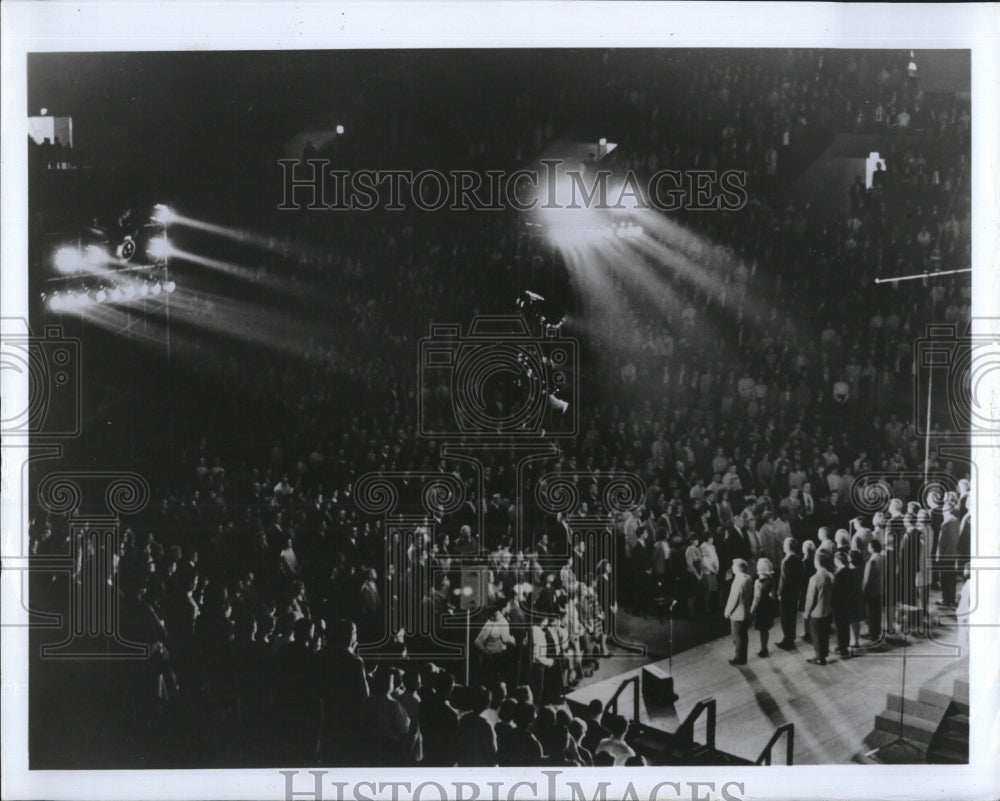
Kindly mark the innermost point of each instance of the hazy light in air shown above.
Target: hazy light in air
(162, 214)
(67, 260)
(158, 248)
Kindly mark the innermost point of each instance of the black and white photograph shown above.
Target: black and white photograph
(499, 412)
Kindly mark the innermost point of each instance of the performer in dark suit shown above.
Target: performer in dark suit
(910, 552)
(842, 604)
(791, 585)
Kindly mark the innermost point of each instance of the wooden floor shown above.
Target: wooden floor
(833, 707)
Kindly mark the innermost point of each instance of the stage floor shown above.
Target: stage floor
(833, 707)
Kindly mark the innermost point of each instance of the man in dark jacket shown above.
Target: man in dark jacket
(791, 585)
(344, 690)
(842, 602)
(477, 742)
(439, 723)
(872, 587)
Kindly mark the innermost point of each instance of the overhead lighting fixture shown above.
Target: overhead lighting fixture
(94, 255)
(126, 250)
(162, 214)
(158, 248)
(67, 260)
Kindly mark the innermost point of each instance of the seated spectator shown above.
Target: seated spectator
(615, 743)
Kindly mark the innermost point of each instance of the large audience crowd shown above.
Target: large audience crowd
(770, 421)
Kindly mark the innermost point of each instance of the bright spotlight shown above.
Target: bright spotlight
(55, 303)
(340, 130)
(83, 299)
(67, 260)
(144, 289)
(156, 289)
(162, 214)
(101, 296)
(158, 248)
(170, 286)
(130, 291)
(94, 255)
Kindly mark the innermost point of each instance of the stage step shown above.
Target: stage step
(916, 708)
(947, 756)
(715, 758)
(933, 698)
(956, 726)
(919, 730)
(878, 738)
(943, 700)
(649, 741)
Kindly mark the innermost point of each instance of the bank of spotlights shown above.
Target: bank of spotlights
(76, 300)
(628, 230)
